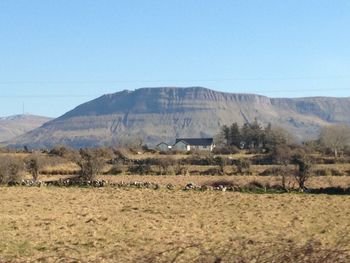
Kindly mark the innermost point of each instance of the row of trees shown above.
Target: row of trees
(253, 136)
(334, 138)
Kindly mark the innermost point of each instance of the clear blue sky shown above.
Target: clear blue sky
(55, 55)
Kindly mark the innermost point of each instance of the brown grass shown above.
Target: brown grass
(114, 225)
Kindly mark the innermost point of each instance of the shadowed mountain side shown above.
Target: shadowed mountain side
(162, 114)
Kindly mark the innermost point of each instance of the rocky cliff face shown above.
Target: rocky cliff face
(162, 114)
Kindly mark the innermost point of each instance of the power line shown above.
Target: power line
(92, 82)
(65, 96)
(47, 96)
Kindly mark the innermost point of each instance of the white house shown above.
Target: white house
(188, 144)
(163, 147)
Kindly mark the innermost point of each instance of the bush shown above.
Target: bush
(11, 170)
(321, 172)
(65, 152)
(212, 171)
(206, 160)
(326, 172)
(347, 151)
(120, 157)
(115, 170)
(243, 166)
(140, 169)
(281, 154)
(225, 150)
(329, 161)
(180, 169)
(255, 185)
(275, 171)
(336, 172)
(166, 166)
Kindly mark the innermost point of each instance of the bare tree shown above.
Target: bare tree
(282, 155)
(91, 163)
(335, 137)
(277, 136)
(33, 165)
(302, 173)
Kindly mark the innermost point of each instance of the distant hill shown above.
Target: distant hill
(162, 114)
(13, 126)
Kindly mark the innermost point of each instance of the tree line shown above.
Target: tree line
(333, 139)
(252, 136)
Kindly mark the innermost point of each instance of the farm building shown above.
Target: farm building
(163, 147)
(188, 144)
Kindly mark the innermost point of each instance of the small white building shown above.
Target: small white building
(188, 144)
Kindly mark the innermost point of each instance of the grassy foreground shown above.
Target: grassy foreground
(139, 225)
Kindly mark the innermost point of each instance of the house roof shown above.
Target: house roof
(196, 141)
(162, 143)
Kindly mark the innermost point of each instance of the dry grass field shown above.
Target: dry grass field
(85, 224)
(51, 224)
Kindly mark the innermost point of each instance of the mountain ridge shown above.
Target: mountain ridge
(162, 114)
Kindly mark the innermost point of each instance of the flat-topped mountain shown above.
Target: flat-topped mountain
(162, 114)
(13, 126)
